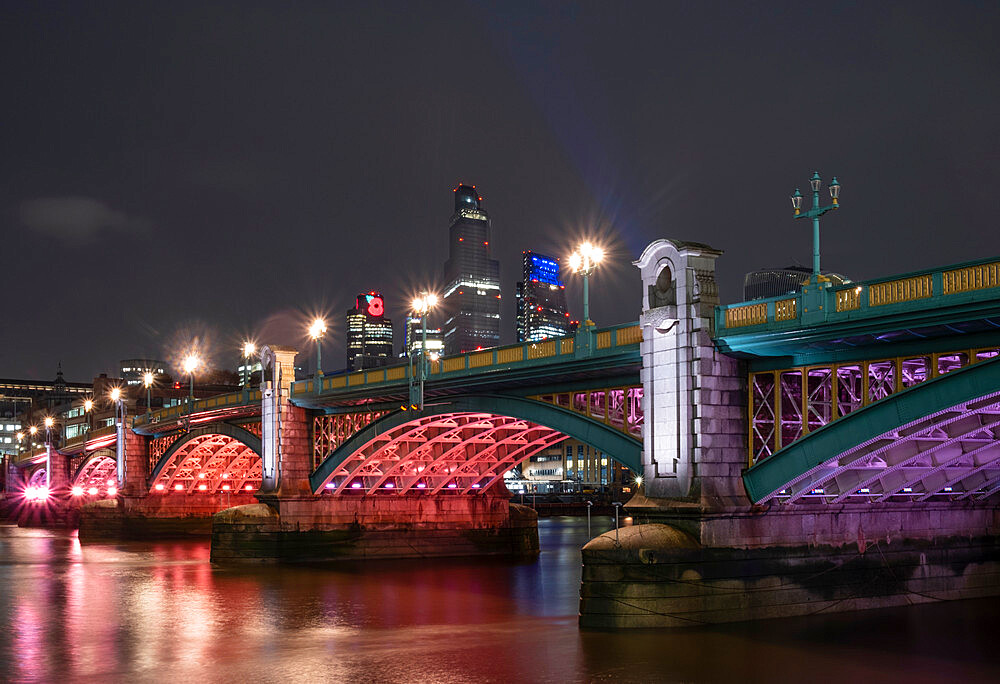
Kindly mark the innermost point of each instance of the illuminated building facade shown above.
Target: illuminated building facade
(369, 333)
(414, 338)
(471, 301)
(133, 370)
(541, 300)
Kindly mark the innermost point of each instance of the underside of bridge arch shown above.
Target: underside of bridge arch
(37, 477)
(939, 439)
(210, 459)
(96, 470)
(460, 446)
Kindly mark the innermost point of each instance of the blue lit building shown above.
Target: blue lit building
(541, 300)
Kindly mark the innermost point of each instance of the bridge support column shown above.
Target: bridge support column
(136, 482)
(694, 436)
(58, 474)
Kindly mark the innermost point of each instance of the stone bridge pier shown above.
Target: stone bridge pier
(290, 522)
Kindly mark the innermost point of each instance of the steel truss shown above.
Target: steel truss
(97, 471)
(619, 407)
(208, 464)
(788, 404)
(330, 431)
(954, 453)
(460, 453)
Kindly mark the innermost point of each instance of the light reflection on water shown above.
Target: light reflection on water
(161, 611)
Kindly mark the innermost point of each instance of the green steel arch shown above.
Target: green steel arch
(950, 423)
(237, 433)
(624, 448)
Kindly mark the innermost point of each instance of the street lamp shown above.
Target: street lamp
(249, 349)
(816, 212)
(147, 381)
(118, 397)
(316, 331)
(422, 305)
(88, 409)
(584, 261)
(191, 363)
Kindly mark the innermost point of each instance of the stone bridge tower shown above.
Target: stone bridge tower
(695, 432)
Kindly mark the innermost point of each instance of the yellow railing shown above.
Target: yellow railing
(480, 359)
(751, 314)
(630, 335)
(541, 350)
(902, 290)
(971, 278)
(849, 300)
(453, 364)
(786, 309)
(510, 354)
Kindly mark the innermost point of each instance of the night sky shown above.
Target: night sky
(211, 170)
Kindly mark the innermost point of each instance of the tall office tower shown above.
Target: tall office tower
(369, 333)
(541, 300)
(414, 334)
(471, 302)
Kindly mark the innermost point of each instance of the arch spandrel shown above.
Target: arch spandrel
(498, 432)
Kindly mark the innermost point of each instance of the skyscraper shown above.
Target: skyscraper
(414, 334)
(369, 333)
(471, 302)
(541, 300)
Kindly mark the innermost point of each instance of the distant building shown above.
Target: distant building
(369, 333)
(471, 302)
(414, 337)
(774, 282)
(132, 371)
(570, 466)
(541, 300)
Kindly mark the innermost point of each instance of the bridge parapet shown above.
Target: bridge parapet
(205, 408)
(932, 297)
(607, 342)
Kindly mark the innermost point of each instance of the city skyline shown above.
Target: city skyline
(143, 220)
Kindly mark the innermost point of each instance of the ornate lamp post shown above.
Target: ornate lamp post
(147, 381)
(49, 423)
(118, 398)
(584, 261)
(88, 408)
(249, 349)
(191, 363)
(422, 305)
(815, 213)
(316, 331)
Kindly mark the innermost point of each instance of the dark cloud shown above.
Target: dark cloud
(78, 220)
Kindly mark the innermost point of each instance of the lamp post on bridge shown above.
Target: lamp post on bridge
(422, 305)
(815, 213)
(147, 381)
(118, 398)
(191, 363)
(49, 423)
(584, 261)
(316, 331)
(249, 349)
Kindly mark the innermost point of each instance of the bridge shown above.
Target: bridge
(860, 405)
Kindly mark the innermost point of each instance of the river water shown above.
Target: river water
(159, 611)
